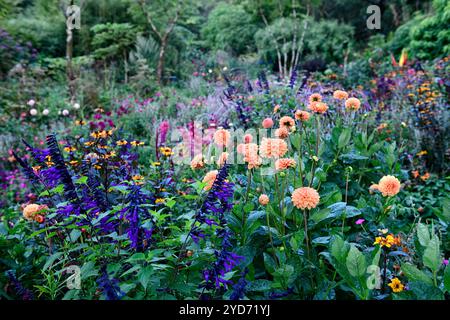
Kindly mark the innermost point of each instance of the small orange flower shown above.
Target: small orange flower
(263, 200)
(315, 97)
(318, 107)
(373, 188)
(282, 133)
(415, 173)
(248, 138)
(285, 163)
(340, 95)
(254, 162)
(352, 104)
(425, 177)
(222, 137)
(222, 159)
(197, 162)
(209, 179)
(287, 121)
(302, 115)
(267, 123)
(305, 198)
(389, 186)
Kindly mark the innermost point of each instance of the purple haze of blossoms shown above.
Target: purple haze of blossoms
(217, 203)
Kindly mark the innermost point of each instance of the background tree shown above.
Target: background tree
(114, 40)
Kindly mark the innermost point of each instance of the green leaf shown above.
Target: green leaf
(74, 235)
(356, 262)
(320, 215)
(170, 203)
(344, 138)
(51, 260)
(145, 276)
(259, 285)
(425, 291)
(447, 278)
(137, 257)
(432, 255)
(423, 234)
(88, 270)
(414, 274)
(269, 262)
(81, 180)
(339, 249)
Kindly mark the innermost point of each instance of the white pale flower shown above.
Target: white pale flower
(76, 106)
(45, 112)
(33, 112)
(31, 102)
(65, 112)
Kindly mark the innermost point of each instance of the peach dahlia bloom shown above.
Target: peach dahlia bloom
(389, 186)
(222, 159)
(267, 123)
(305, 198)
(263, 200)
(352, 104)
(254, 162)
(30, 212)
(340, 95)
(315, 97)
(249, 150)
(197, 162)
(318, 107)
(285, 163)
(287, 121)
(302, 115)
(209, 178)
(248, 138)
(282, 133)
(273, 148)
(222, 137)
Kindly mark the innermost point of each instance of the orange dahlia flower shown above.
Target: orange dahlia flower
(352, 104)
(315, 97)
(389, 186)
(287, 121)
(209, 179)
(340, 95)
(285, 163)
(197, 162)
(318, 107)
(273, 148)
(263, 200)
(222, 137)
(267, 123)
(305, 198)
(282, 133)
(302, 115)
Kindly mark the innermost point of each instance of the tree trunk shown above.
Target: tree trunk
(160, 68)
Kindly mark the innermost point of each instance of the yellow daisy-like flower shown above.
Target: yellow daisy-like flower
(69, 149)
(156, 164)
(138, 179)
(166, 151)
(160, 200)
(396, 285)
(137, 143)
(121, 142)
(89, 143)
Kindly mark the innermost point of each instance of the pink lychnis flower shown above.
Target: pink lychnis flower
(359, 221)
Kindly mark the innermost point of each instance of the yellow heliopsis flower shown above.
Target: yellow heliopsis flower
(396, 285)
